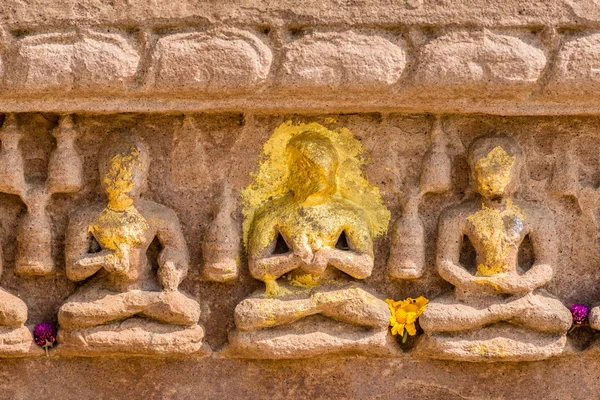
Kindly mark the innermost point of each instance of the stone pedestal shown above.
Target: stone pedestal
(311, 337)
(134, 337)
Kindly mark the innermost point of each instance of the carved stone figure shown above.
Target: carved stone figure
(309, 245)
(15, 338)
(407, 241)
(500, 312)
(34, 236)
(125, 306)
(221, 243)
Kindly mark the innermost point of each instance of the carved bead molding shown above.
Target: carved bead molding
(405, 67)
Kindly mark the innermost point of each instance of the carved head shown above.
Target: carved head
(123, 163)
(495, 163)
(312, 161)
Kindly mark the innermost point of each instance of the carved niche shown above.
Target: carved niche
(124, 306)
(500, 313)
(34, 236)
(310, 220)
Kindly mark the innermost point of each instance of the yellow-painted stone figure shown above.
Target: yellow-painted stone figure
(125, 306)
(310, 238)
(499, 311)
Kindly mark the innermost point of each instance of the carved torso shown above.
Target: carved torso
(315, 227)
(128, 233)
(496, 234)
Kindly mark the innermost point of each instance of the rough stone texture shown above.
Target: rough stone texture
(344, 60)
(478, 63)
(496, 343)
(134, 337)
(311, 337)
(576, 71)
(58, 62)
(205, 84)
(399, 161)
(220, 60)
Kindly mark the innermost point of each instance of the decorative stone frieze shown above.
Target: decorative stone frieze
(343, 60)
(284, 199)
(479, 62)
(217, 60)
(85, 61)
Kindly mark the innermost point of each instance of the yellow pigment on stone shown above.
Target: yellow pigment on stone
(119, 225)
(271, 180)
(272, 289)
(305, 281)
(496, 239)
(493, 350)
(493, 171)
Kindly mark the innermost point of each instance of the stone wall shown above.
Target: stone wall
(206, 85)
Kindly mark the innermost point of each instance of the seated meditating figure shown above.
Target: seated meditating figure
(15, 338)
(309, 245)
(126, 306)
(500, 312)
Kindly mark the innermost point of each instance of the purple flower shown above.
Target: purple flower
(44, 335)
(580, 314)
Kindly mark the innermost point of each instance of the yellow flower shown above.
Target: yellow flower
(405, 314)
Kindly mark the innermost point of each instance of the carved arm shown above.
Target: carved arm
(450, 234)
(543, 240)
(357, 262)
(80, 263)
(173, 260)
(264, 265)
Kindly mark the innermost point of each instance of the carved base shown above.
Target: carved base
(310, 337)
(134, 337)
(17, 342)
(499, 342)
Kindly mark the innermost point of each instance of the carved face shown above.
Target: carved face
(312, 163)
(123, 172)
(494, 173)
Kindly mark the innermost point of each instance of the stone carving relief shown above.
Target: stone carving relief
(479, 62)
(571, 180)
(576, 69)
(34, 234)
(229, 59)
(453, 64)
(342, 60)
(84, 60)
(15, 338)
(423, 228)
(125, 306)
(310, 222)
(499, 313)
(407, 248)
(221, 243)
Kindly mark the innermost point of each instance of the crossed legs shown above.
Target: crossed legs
(350, 304)
(92, 306)
(535, 311)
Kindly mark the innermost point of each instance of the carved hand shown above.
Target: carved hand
(456, 275)
(320, 260)
(88, 264)
(116, 264)
(172, 265)
(507, 283)
(538, 275)
(168, 277)
(303, 251)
